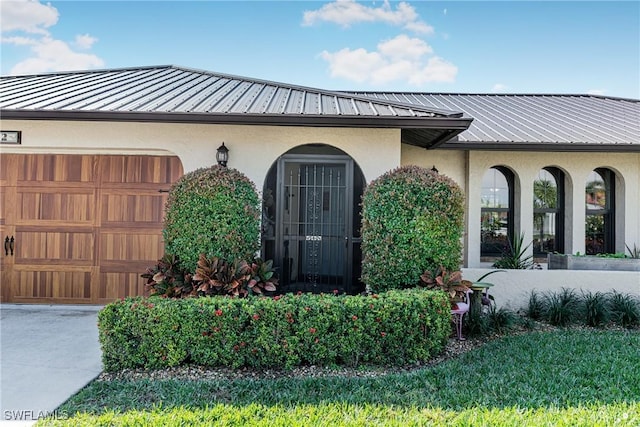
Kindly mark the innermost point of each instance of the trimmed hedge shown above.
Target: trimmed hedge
(412, 222)
(394, 328)
(214, 211)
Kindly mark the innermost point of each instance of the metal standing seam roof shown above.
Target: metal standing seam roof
(176, 91)
(177, 94)
(518, 120)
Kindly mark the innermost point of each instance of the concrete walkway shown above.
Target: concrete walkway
(47, 353)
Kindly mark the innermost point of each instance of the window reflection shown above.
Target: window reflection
(599, 220)
(496, 212)
(547, 212)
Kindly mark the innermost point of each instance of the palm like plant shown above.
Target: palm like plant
(515, 256)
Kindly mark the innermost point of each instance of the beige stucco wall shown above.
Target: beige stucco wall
(252, 149)
(468, 168)
(513, 288)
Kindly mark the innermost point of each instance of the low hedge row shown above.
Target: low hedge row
(393, 328)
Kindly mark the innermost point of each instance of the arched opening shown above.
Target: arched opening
(548, 212)
(600, 212)
(311, 220)
(496, 222)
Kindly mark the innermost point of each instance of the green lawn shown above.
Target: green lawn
(564, 377)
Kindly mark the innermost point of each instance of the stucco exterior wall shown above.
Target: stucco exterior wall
(252, 149)
(513, 288)
(468, 167)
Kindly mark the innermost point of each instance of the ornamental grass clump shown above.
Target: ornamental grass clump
(412, 222)
(213, 211)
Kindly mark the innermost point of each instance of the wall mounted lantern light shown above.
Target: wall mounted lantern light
(222, 156)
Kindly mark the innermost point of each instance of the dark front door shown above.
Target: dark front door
(314, 227)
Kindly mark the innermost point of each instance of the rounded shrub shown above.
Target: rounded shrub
(213, 211)
(412, 221)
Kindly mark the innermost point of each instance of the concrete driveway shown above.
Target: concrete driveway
(47, 353)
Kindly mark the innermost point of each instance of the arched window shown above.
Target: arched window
(548, 212)
(600, 212)
(496, 222)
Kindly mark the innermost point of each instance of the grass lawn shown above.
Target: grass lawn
(563, 377)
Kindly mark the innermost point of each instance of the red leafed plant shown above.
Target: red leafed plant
(213, 276)
(216, 276)
(167, 278)
(262, 277)
(449, 282)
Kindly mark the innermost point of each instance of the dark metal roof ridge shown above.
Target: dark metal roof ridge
(423, 109)
(404, 122)
(536, 146)
(562, 95)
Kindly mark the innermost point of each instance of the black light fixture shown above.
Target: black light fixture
(222, 156)
(433, 169)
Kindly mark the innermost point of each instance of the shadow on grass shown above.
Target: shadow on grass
(560, 369)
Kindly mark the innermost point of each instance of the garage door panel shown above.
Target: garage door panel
(59, 247)
(57, 168)
(139, 170)
(47, 283)
(65, 205)
(86, 226)
(132, 210)
(130, 247)
(115, 285)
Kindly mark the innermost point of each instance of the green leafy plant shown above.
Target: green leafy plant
(215, 211)
(562, 307)
(501, 320)
(536, 306)
(392, 328)
(635, 252)
(595, 308)
(625, 309)
(450, 282)
(514, 256)
(262, 277)
(412, 221)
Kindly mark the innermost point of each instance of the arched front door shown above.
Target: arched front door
(311, 221)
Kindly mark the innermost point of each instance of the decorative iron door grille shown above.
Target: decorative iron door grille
(314, 231)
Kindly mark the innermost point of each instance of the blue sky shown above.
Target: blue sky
(426, 46)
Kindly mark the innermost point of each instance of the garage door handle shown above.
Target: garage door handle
(8, 245)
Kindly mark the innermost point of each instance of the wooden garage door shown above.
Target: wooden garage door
(84, 227)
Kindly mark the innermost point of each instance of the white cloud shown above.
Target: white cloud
(55, 55)
(499, 87)
(596, 91)
(404, 47)
(27, 15)
(347, 12)
(19, 40)
(85, 41)
(398, 59)
(47, 53)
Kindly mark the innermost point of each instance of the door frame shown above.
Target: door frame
(310, 159)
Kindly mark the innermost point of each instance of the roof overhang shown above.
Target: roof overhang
(427, 132)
